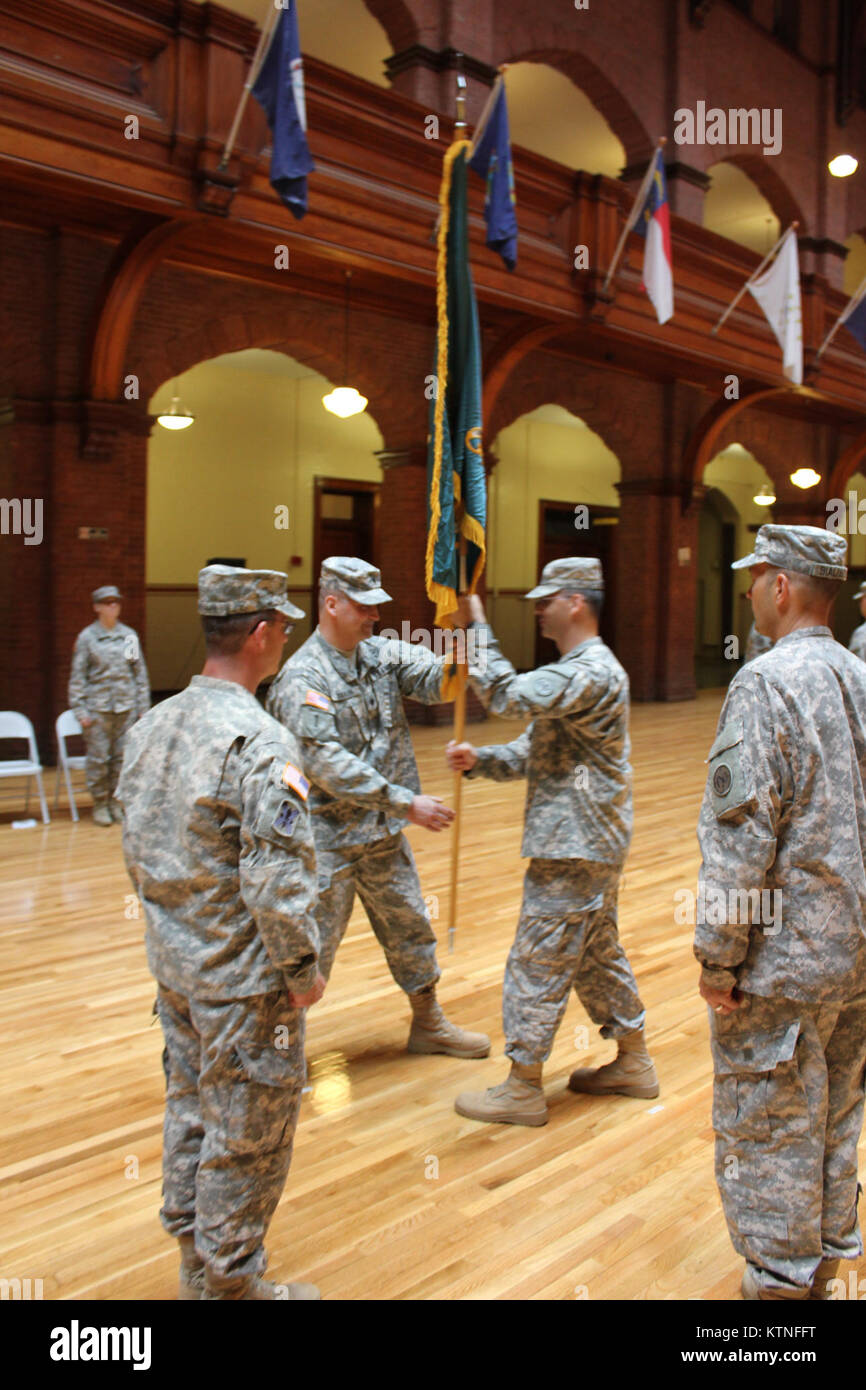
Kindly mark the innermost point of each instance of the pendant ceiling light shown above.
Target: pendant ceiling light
(345, 400)
(805, 477)
(843, 166)
(764, 499)
(175, 418)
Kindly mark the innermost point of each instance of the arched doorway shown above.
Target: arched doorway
(727, 523)
(265, 477)
(552, 493)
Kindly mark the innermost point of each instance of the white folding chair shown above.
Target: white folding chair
(14, 725)
(67, 726)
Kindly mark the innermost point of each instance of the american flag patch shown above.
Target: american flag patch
(319, 701)
(294, 778)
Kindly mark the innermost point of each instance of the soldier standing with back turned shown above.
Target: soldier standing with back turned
(108, 691)
(218, 845)
(781, 936)
(578, 822)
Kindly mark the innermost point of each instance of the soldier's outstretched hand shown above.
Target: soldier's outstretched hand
(461, 756)
(312, 996)
(431, 812)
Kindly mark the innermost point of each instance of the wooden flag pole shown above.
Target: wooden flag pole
(255, 68)
(853, 302)
(632, 217)
(754, 275)
(459, 730)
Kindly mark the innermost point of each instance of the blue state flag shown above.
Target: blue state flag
(855, 322)
(279, 88)
(491, 158)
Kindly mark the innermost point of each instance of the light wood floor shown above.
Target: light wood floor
(391, 1194)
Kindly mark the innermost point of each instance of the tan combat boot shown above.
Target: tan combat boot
(630, 1074)
(191, 1283)
(115, 810)
(517, 1101)
(102, 814)
(432, 1032)
(258, 1290)
(827, 1271)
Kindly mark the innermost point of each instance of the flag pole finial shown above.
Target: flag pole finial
(460, 123)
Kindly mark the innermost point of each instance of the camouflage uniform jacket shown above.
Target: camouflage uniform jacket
(574, 754)
(756, 643)
(217, 841)
(785, 809)
(108, 672)
(857, 645)
(347, 714)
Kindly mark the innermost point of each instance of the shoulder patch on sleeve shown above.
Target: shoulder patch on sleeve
(729, 780)
(284, 821)
(294, 778)
(318, 701)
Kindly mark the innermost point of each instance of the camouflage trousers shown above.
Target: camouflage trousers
(566, 939)
(787, 1112)
(386, 880)
(234, 1071)
(105, 739)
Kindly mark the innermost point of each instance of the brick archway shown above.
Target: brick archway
(593, 395)
(597, 86)
(776, 191)
(317, 345)
(218, 337)
(397, 20)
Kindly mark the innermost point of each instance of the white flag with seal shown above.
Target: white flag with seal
(777, 291)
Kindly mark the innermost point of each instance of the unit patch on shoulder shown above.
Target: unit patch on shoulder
(314, 697)
(722, 780)
(294, 778)
(286, 817)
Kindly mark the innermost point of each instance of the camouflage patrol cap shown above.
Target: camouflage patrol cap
(357, 579)
(573, 572)
(806, 549)
(224, 590)
(107, 592)
(861, 592)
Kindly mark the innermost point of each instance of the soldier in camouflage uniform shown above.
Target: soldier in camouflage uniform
(342, 694)
(756, 643)
(108, 691)
(781, 931)
(217, 839)
(578, 823)
(857, 645)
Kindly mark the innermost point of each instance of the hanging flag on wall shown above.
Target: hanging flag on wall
(777, 291)
(653, 221)
(279, 88)
(490, 156)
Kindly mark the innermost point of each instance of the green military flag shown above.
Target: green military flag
(456, 492)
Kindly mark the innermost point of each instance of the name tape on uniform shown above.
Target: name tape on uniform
(319, 701)
(294, 778)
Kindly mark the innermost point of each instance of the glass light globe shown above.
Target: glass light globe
(764, 499)
(344, 401)
(843, 166)
(805, 477)
(175, 417)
